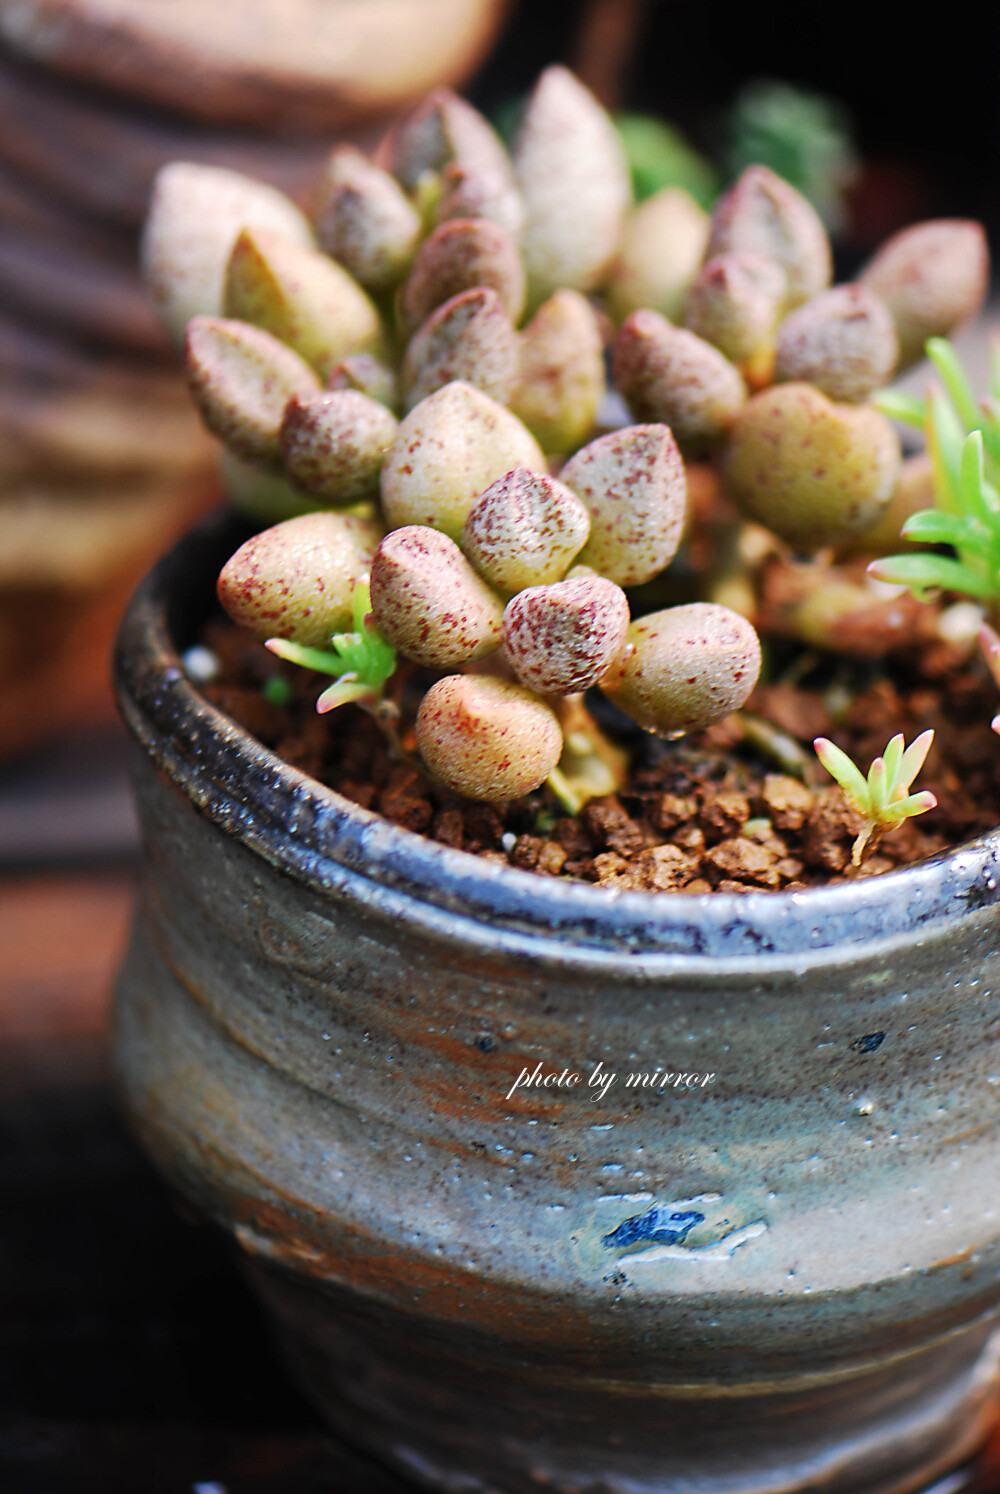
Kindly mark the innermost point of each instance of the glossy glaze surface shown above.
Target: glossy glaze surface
(783, 1278)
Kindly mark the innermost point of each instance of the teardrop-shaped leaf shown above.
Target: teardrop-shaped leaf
(930, 527)
(893, 756)
(944, 443)
(903, 407)
(973, 475)
(924, 573)
(839, 766)
(878, 787)
(941, 353)
(915, 804)
(914, 758)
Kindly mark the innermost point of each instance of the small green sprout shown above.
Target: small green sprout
(963, 440)
(362, 661)
(883, 799)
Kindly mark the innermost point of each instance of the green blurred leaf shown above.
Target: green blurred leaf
(659, 156)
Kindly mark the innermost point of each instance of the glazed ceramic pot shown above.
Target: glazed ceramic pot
(785, 1276)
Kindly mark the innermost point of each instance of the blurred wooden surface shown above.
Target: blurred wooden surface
(133, 1360)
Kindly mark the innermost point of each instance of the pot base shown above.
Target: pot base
(394, 1392)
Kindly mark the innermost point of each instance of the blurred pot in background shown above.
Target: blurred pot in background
(102, 461)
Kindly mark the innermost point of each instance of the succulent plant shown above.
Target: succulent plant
(761, 214)
(430, 603)
(560, 380)
(670, 375)
(633, 486)
(574, 181)
(932, 277)
(487, 738)
(843, 342)
(663, 243)
(801, 135)
(296, 580)
(195, 216)
(444, 540)
(525, 530)
(241, 379)
(368, 375)
(685, 668)
(365, 221)
(462, 254)
(452, 159)
(300, 296)
(470, 338)
(562, 638)
(883, 799)
(447, 450)
(812, 471)
(735, 303)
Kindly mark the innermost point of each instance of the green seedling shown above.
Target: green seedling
(963, 441)
(361, 661)
(883, 799)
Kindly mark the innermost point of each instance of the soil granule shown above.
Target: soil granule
(718, 810)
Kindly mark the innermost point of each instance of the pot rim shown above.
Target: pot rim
(314, 834)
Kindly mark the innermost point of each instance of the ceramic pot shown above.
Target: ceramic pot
(786, 1277)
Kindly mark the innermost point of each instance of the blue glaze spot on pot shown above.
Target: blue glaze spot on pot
(660, 1225)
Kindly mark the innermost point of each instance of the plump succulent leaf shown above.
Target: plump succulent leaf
(296, 580)
(446, 452)
(487, 738)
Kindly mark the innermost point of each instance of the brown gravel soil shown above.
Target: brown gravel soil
(739, 807)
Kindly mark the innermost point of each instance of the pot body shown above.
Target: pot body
(785, 1276)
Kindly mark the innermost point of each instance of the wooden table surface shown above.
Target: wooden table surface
(132, 1358)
